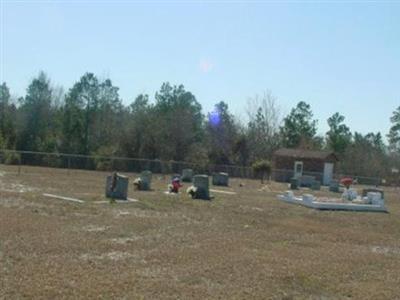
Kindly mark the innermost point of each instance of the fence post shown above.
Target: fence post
(69, 164)
(19, 164)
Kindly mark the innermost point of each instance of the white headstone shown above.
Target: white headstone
(375, 198)
(349, 194)
(289, 194)
(308, 198)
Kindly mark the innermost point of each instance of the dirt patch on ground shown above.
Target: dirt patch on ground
(16, 188)
(126, 240)
(94, 228)
(385, 250)
(114, 255)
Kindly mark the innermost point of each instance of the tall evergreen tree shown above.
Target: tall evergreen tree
(299, 128)
(139, 136)
(179, 121)
(394, 133)
(365, 156)
(339, 136)
(36, 132)
(92, 116)
(7, 119)
(222, 134)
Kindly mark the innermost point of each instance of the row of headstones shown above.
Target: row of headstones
(201, 189)
(119, 190)
(313, 184)
(201, 184)
(308, 181)
(221, 179)
(334, 186)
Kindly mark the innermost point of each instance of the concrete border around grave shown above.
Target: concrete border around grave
(308, 201)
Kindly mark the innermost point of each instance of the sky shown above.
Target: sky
(337, 56)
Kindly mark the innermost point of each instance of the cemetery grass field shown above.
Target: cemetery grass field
(238, 246)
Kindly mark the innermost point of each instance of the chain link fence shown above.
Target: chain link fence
(137, 165)
(120, 164)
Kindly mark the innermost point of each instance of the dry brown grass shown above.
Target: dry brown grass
(240, 246)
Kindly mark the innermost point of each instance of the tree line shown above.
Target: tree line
(91, 119)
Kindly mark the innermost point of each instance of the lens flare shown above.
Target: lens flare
(214, 118)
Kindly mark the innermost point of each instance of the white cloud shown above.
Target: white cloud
(205, 65)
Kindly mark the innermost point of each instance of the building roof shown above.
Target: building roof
(304, 153)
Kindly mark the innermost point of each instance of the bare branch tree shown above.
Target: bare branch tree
(264, 122)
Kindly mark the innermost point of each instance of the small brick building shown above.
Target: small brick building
(288, 163)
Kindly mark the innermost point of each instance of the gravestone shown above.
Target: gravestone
(120, 190)
(221, 179)
(294, 183)
(316, 185)
(145, 178)
(375, 190)
(289, 194)
(334, 186)
(306, 180)
(349, 194)
(201, 183)
(187, 175)
(375, 198)
(308, 198)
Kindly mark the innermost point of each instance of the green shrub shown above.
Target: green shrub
(103, 163)
(262, 169)
(198, 158)
(52, 161)
(11, 158)
(2, 142)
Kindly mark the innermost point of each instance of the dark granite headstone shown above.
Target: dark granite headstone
(187, 175)
(294, 183)
(201, 183)
(316, 185)
(120, 188)
(145, 178)
(334, 186)
(221, 179)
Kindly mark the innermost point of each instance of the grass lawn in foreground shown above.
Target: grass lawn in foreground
(237, 246)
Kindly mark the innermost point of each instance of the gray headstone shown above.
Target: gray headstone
(375, 190)
(145, 177)
(187, 175)
(306, 180)
(121, 187)
(221, 179)
(294, 183)
(316, 185)
(334, 186)
(201, 183)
